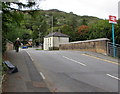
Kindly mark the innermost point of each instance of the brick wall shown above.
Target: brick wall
(97, 45)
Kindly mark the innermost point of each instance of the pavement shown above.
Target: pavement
(27, 79)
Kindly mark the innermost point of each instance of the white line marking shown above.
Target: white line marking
(30, 56)
(32, 59)
(28, 53)
(113, 76)
(74, 61)
(42, 75)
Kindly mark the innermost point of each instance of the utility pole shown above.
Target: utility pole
(52, 24)
(52, 33)
(39, 37)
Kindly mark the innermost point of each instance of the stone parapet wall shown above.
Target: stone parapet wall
(97, 45)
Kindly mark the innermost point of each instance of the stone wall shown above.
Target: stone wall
(9, 46)
(97, 45)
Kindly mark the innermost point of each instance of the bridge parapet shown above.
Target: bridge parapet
(96, 45)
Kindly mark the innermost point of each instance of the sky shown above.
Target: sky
(98, 8)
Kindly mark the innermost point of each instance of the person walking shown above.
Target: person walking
(17, 43)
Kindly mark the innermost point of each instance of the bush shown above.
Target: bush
(53, 48)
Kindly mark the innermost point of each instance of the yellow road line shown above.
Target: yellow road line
(101, 59)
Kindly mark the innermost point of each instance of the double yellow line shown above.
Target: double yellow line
(101, 59)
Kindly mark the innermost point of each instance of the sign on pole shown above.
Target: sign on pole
(112, 19)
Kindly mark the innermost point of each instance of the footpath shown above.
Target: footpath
(27, 79)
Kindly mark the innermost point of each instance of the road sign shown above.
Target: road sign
(112, 19)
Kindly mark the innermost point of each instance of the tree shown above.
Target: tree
(72, 21)
(83, 32)
(37, 23)
(12, 19)
(100, 29)
(83, 29)
(117, 32)
(84, 22)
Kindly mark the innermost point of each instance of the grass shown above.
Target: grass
(38, 49)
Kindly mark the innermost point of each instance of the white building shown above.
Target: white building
(52, 40)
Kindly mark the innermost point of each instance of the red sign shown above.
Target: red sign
(112, 19)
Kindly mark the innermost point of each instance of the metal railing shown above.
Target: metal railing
(113, 50)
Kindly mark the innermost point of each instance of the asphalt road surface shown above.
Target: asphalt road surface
(76, 71)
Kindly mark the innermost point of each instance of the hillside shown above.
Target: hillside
(64, 18)
(36, 24)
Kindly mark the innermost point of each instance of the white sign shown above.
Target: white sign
(112, 19)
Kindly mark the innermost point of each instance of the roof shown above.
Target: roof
(56, 34)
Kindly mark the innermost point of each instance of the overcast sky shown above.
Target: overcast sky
(98, 8)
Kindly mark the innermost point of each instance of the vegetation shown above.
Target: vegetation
(36, 24)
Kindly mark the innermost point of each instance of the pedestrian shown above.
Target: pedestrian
(37, 43)
(17, 44)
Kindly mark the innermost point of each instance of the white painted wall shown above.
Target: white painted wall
(45, 44)
(54, 41)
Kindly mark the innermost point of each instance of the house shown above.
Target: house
(52, 40)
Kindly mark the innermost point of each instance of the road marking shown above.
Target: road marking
(30, 56)
(101, 59)
(74, 61)
(42, 75)
(28, 53)
(113, 76)
(32, 59)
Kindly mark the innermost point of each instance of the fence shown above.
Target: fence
(113, 50)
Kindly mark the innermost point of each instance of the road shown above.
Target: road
(76, 71)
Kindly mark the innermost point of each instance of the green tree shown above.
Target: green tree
(117, 32)
(83, 32)
(100, 29)
(37, 23)
(12, 19)
(84, 22)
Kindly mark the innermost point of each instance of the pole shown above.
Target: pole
(113, 40)
(52, 33)
(52, 24)
(39, 37)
